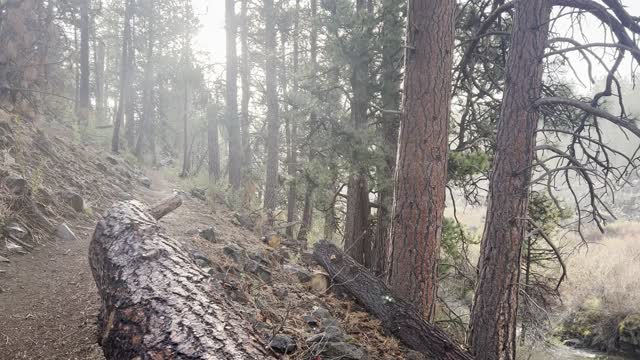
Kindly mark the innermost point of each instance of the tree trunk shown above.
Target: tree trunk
(147, 105)
(397, 316)
(83, 104)
(292, 127)
(156, 302)
(273, 118)
(493, 318)
(186, 159)
(130, 123)
(356, 241)
(214, 146)
(391, 78)
(119, 116)
(421, 173)
(99, 57)
(307, 214)
(245, 73)
(235, 142)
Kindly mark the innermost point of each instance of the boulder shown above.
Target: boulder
(257, 269)
(145, 181)
(74, 200)
(208, 234)
(629, 332)
(235, 252)
(283, 344)
(64, 233)
(17, 184)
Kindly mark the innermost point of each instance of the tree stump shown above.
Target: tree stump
(397, 316)
(156, 302)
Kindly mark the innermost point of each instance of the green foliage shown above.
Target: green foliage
(544, 212)
(463, 165)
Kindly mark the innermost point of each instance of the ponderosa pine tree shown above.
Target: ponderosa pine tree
(273, 117)
(421, 169)
(84, 103)
(493, 318)
(233, 125)
(124, 65)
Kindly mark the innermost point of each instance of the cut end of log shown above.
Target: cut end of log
(166, 206)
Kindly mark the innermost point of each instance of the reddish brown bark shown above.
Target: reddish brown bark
(273, 117)
(493, 319)
(357, 219)
(421, 170)
(235, 142)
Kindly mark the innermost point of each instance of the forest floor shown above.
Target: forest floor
(48, 299)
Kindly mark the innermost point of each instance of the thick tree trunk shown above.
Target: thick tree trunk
(307, 214)
(119, 116)
(273, 117)
(235, 142)
(130, 123)
(186, 150)
(493, 319)
(213, 144)
(83, 105)
(396, 315)
(391, 81)
(421, 173)
(245, 73)
(356, 240)
(156, 302)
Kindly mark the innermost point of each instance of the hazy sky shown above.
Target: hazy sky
(211, 38)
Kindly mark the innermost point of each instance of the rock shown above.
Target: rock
(17, 184)
(64, 233)
(112, 159)
(283, 344)
(629, 331)
(311, 321)
(74, 200)
(573, 343)
(302, 275)
(330, 334)
(201, 259)
(145, 181)
(259, 270)
(414, 355)
(4, 260)
(233, 251)
(208, 234)
(245, 220)
(280, 292)
(344, 351)
(199, 194)
(321, 313)
(102, 167)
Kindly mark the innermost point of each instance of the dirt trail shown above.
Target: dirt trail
(49, 302)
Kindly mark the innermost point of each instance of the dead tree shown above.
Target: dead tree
(397, 316)
(156, 302)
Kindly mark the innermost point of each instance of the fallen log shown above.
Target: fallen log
(156, 302)
(397, 316)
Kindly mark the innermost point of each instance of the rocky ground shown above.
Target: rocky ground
(53, 190)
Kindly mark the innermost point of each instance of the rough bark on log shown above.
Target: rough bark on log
(166, 206)
(156, 302)
(397, 316)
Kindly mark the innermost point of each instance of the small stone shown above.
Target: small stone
(259, 270)
(302, 275)
(199, 194)
(208, 234)
(321, 313)
(74, 200)
(330, 334)
(414, 355)
(311, 321)
(341, 350)
(234, 252)
(280, 292)
(64, 233)
(145, 181)
(283, 344)
(201, 259)
(17, 184)
(102, 167)
(112, 159)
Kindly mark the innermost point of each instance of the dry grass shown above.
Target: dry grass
(606, 272)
